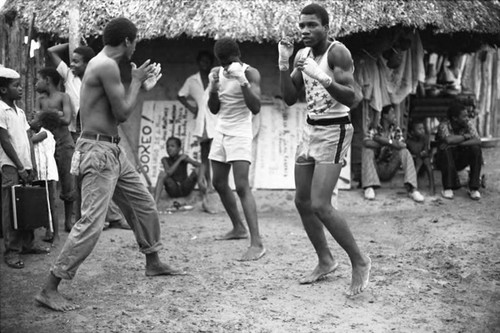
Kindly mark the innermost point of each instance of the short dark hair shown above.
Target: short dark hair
(226, 47)
(117, 30)
(48, 120)
(175, 139)
(415, 122)
(455, 109)
(48, 72)
(319, 11)
(206, 54)
(86, 52)
(387, 108)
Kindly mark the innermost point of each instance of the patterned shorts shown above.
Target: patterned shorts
(324, 144)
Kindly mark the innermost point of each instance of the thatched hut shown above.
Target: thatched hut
(172, 31)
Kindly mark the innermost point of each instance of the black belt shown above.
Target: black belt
(332, 121)
(100, 137)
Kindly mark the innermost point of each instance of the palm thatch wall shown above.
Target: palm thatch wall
(258, 20)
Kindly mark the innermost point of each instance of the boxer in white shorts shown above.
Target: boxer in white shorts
(234, 96)
(325, 69)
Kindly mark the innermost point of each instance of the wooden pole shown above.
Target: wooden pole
(28, 89)
(74, 25)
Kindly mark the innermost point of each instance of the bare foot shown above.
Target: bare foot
(55, 301)
(319, 273)
(253, 253)
(360, 277)
(234, 234)
(162, 269)
(55, 241)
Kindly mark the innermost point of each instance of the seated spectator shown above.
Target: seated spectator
(175, 178)
(459, 146)
(418, 143)
(383, 153)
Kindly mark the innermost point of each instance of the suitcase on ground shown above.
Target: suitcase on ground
(31, 207)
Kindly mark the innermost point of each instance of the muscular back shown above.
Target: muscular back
(95, 107)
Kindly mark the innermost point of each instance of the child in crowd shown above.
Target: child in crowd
(175, 177)
(44, 147)
(51, 100)
(418, 144)
(16, 162)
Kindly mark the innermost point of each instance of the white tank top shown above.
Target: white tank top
(234, 117)
(320, 104)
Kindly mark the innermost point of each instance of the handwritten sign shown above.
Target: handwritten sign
(279, 134)
(159, 121)
(277, 131)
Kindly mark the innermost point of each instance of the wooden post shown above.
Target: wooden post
(74, 25)
(28, 77)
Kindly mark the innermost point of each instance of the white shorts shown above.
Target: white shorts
(228, 148)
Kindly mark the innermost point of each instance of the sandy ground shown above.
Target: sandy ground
(436, 268)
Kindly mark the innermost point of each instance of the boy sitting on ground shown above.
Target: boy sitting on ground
(175, 178)
(418, 143)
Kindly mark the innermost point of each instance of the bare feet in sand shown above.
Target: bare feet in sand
(55, 301)
(319, 273)
(360, 277)
(253, 253)
(162, 269)
(234, 234)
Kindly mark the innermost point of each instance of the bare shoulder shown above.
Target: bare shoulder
(253, 74)
(102, 64)
(340, 56)
(61, 95)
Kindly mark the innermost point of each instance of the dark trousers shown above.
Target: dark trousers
(453, 159)
(180, 189)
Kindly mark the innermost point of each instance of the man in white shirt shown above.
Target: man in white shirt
(72, 77)
(195, 88)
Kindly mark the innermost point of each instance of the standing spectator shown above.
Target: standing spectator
(384, 152)
(234, 96)
(195, 87)
(72, 78)
(51, 100)
(16, 161)
(459, 146)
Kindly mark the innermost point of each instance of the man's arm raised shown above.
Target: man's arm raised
(213, 90)
(290, 83)
(122, 102)
(54, 52)
(342, 87)
(251, 92)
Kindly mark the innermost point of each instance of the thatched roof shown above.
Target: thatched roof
(259, 20)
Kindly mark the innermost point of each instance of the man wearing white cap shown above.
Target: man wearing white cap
(16, 162)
